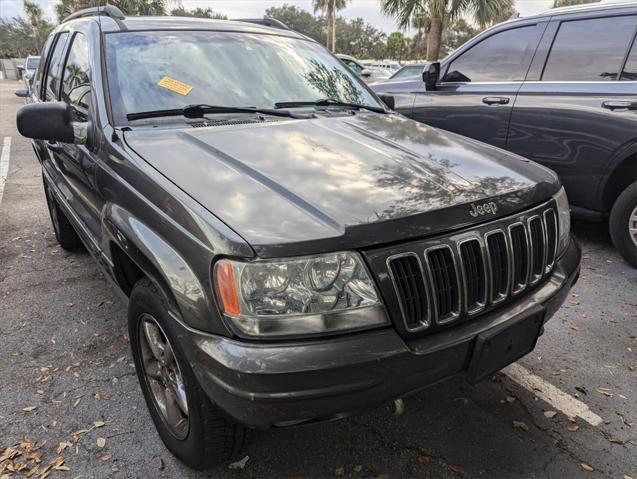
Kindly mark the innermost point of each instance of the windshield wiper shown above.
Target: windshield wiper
(329, 102)
(198, 111)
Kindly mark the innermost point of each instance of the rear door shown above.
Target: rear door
(574, 114)
(478, 87)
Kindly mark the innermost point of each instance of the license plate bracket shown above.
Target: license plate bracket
(500, 346)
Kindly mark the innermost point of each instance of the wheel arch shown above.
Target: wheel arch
(137, 251)
(622, 175)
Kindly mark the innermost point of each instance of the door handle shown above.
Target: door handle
(54, 146)
(620, 105)
(495, 100)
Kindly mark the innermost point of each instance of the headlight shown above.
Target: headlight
(564, 220)
(297, 296)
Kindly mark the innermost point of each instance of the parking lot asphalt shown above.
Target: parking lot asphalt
(67, 382)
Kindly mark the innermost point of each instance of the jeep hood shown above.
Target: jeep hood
(353, 181)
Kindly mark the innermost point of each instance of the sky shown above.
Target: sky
(367, 9)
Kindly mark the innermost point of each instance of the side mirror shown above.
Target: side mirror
(366, 73)
(431, 75)
(50, 121)
(388, 100)
(22, 93)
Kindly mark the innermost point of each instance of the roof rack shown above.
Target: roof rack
(265, 21)
(107, 10)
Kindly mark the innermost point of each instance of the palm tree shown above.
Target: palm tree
(566, 3)
(34, 13)
(440, 13)
(330, 7)
(130, 7)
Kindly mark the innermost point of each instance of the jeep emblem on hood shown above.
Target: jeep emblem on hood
(483, 209)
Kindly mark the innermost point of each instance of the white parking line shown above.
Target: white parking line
(4, 163)
(557, 398)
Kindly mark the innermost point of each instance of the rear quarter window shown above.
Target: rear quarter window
(589, 50)
(630, 70)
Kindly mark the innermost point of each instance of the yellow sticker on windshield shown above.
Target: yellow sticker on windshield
(175, 85)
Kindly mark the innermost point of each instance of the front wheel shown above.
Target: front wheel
(623, 224)
(192, 428)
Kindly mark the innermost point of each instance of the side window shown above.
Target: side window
(76, 79)
(37, 84)
(354, 66)
(52, 85)
(589, 50)
(630, 70)
(502, 57)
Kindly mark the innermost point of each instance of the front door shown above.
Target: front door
(479, 85)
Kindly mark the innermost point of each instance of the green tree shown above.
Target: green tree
(130, 7)
(330, 7)
(299, 20)
(397, 46)
(198, 12)
(360, 39)
(16, 37)
(441, 13)
(566, 3)
(34, 14)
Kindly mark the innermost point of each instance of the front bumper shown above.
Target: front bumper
(282, 384)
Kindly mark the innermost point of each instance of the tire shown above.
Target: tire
(623, 216)
(210, 437)
(65, 235)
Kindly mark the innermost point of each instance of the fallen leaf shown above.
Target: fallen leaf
(510, 399)
(101, 442)
(239, 464)
(161, 464)
(339, 471)
(574, 301)
(571, 426)
(424, 458)
(574, 327)
(549, 414)
(586, 467)
(627, 477)
(114, 469)
(99, 423)
(29, 408)
(106, 457)
(457, 469)
(520, 425)
(358, 468)
(77, 401)
(605, 391)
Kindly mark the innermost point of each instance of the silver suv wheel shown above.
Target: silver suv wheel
(632, 226)
(163, 376)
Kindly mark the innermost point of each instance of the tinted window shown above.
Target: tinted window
(32, 63)
(39, 73)
(76, 82)
(504, 56)
(630, 70)
(163, 70)
(55, 65)
(354, 66)
(589, 50)
(408, 72)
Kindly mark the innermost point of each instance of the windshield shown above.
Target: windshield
(32, 63)
(150, 71)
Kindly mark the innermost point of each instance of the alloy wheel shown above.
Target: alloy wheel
(163, 376)
(632, 226)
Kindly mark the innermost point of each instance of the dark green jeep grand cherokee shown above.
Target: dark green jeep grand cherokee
(291, 250)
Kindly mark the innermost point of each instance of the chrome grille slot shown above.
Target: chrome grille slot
(499, 263)
(473, 269)
(521, 257)
(407, 275)
(538, 249)
(459, 276)
(550, 220)
(444, 282)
